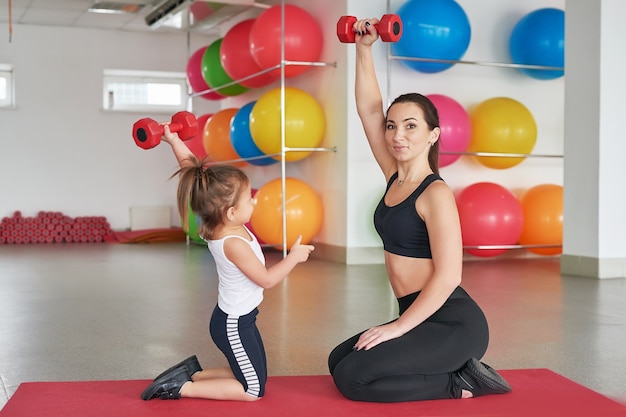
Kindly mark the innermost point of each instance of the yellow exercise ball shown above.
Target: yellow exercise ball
(305, 123)
(502, 125)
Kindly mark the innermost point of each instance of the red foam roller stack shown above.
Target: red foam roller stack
(53, 227)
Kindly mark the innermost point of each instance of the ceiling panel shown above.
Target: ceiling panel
(74, 13)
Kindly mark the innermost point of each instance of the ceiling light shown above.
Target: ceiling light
(115, 7)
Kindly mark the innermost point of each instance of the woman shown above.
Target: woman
(430, 351)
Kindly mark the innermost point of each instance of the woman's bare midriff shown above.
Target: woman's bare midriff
(407, 275)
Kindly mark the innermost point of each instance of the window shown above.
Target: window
(7, 97)
(145, 91)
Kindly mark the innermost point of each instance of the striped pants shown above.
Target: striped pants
(240, 341)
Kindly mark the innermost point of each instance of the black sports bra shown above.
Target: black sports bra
(401, 229)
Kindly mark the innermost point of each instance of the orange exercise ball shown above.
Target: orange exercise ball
(543, 218)
(502, 125)
(304, 212)
(217, 137)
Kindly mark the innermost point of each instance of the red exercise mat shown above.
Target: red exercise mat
(536, 393)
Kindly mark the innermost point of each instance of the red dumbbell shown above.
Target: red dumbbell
(389, 28)
(148, 132)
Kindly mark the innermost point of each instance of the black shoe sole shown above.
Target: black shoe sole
(488, 376)
(168, 386)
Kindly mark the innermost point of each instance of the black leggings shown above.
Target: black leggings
(240, 341)
(418, 365)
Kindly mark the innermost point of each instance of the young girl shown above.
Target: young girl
(221, 196)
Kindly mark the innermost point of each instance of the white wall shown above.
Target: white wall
(58, 150)
(581, 238)
(594, 198)
(611, 225)
(81, 161)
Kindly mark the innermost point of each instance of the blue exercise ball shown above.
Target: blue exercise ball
(436, 29)
(539, 39)
(241, 139)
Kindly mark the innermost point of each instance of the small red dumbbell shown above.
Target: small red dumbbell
(389, 28)
(148, 132)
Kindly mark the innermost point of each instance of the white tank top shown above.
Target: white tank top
(237, 294)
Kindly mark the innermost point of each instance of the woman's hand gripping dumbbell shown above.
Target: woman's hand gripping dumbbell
(389, 28)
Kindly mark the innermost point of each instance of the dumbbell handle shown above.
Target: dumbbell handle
(376, 25)
(174, 127)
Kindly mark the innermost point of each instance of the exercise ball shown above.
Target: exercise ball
(490, 215)
(543, 218)
(455, 125)
(502, 125)
(305, 122)
(241, 138)
(539, 39)
(196, 144)
(304, 212)
(237, 60)
(249, 223)
(436, 29)
(214, 73)
(303, 39)
(195, 78)
(200, 10)
(192, 226)
(217, 137)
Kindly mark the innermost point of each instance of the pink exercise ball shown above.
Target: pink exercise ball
(303, 39)
(195, 77)
(490, 215)
(237, 59)
(455, 125)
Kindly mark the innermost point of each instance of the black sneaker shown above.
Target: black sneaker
(481, 379)
(191, 364)
(167, 387)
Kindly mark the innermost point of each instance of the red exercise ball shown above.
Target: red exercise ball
(196, 144)
(543, 218)
(490, 215)
(237, 59)
(303, 39)
(195, 77)
(214, 73)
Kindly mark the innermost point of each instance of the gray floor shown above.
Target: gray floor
(106, 312)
